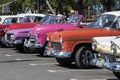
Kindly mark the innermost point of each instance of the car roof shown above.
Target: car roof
(116, 13)
(8, 16)
(31, 14)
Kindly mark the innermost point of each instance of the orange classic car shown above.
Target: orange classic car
(75, 45)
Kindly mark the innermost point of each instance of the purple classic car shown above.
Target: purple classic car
(16, 37)
(37, 36)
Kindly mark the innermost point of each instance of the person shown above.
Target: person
(98, 7)
(118, 5)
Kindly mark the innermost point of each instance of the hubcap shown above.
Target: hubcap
(86, 57)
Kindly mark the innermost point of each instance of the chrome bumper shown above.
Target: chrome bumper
(61, 54)
(28, 44)
(8, 43)
(55, 53)
(113, 66)
(17, 42)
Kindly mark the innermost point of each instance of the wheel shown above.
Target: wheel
(117, 74)
(64, 61)
(4, 44)
(29, 50)
(83, 56)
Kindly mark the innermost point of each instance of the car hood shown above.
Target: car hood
(21, 25)
(116, 41)
(82, 34)
(20, 32)
(105, 41)
(52, 27)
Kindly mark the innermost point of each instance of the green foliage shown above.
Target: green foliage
(61, 6)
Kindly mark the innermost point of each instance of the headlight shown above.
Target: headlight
(5, 29)
(113, 49)
(61, 39)
(37, 34)
(29, 34)
(94, 45)
(12, 37)
(48, 39)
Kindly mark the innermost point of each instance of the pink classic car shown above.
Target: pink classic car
(37, 37)
(16, 37)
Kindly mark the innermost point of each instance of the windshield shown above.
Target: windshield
(103, 21)
(73, 19)
(45, 18)
(31, 19)
(55, 20)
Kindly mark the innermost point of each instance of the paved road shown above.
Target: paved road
(21, 66)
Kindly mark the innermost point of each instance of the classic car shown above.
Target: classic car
(107, 53)
(10, 19)
(37, 39)
(16, 37)
(24, 24)
(75, 45)
(2, 31)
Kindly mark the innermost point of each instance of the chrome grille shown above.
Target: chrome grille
(56, 46)
(33, 39)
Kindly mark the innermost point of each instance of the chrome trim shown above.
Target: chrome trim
(28, 44)
(61, 54)
(114, 66)
(18, 42)
(48, 53)
(97, 61)
(8, 43)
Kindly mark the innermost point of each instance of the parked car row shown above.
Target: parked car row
(71, 40)
(69, 46)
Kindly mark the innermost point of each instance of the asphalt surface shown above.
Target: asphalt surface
(20, 66)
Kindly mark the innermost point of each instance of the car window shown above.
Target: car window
(73, 19)
(107, 20)
(103, 21)
(37, 19)
(10, 21)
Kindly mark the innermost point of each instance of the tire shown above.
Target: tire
(4, 44)
(83, 56)
(63, 61)
(117, 74)
(29, 50)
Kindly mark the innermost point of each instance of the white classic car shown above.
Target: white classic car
(107, 53)
(10, 19)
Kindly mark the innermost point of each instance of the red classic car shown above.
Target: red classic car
(2, 31)
(25, 23)
(75, 45)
